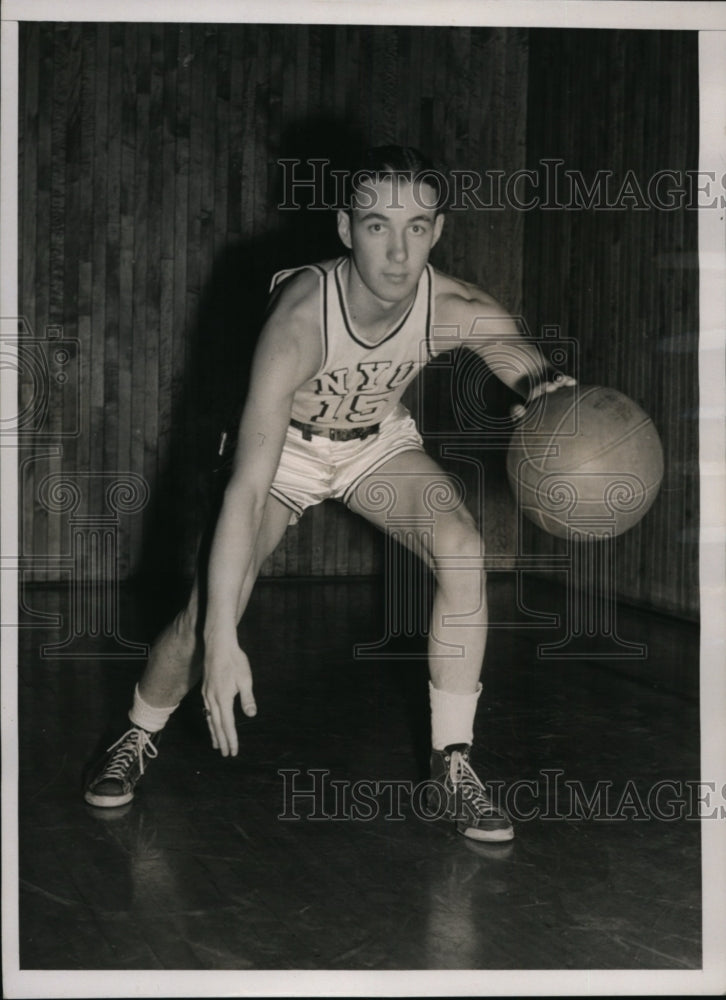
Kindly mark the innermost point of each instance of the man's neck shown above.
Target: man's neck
(372, 315)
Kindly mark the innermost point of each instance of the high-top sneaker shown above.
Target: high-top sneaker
(467, 801)
(114, 777)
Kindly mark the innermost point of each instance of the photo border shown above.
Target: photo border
(710, 20)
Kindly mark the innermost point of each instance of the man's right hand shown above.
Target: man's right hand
(227, 674)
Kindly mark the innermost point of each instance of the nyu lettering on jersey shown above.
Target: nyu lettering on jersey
(358, 382)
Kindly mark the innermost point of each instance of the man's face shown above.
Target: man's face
(390, 231)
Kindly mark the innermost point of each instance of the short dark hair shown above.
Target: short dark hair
(406, 162)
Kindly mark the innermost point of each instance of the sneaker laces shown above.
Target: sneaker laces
(135, 742)
(461, 773)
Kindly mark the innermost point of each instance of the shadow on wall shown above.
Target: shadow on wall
(220, 348)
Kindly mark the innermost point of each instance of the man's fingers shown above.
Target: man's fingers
(209, 719)
(558, 380)
(247, 699)
(229, 730)
(219, 736)
(219, 698)
(210, 724)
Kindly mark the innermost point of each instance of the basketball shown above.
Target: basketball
(585, 462)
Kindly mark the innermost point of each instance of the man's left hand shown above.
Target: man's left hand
(555, 381)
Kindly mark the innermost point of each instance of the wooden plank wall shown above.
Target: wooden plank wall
(625, 283)
(149, 229)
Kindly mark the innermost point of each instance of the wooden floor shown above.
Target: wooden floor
(200, 872)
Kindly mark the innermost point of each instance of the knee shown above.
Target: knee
(458, 556)
(459, 539)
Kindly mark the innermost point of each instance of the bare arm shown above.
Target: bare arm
(288, 353)
(466, 316)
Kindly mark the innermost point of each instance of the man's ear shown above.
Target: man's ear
(438, 227)
(344, 228)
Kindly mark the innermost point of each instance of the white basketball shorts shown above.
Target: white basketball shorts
(320, 469)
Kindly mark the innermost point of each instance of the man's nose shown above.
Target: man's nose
(397, 247)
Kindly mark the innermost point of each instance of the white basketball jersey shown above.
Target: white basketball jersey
(358, 383)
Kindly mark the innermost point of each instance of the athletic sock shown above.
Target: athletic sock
(148, 717)
(452, 717)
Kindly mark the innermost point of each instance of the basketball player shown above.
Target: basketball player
(323, 419)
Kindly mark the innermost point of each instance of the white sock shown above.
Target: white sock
(146, 716)
(452, 717)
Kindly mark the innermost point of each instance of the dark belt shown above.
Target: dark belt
(335, 433)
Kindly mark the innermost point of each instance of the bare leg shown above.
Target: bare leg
(449, 541)
(458, 633)
(175, 661)
(427, 514)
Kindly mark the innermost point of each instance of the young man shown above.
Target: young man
(323, 419)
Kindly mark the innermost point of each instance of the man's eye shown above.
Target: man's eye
(375, 227)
